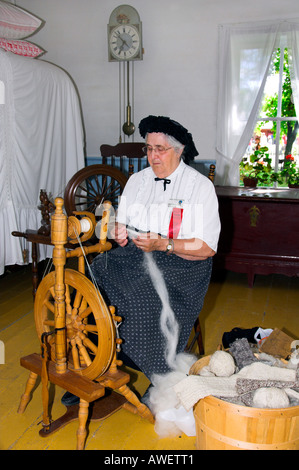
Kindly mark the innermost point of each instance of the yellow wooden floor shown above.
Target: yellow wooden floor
(273, 302)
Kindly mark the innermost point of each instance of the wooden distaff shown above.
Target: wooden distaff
(105, 220)
(59, 239)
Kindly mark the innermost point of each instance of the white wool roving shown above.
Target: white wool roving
(222, 364)
(169, 325)
(271, 397)
(170, 417)
(163, 400)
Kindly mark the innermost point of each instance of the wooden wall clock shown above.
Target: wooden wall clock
(124, 35)
(125, 47)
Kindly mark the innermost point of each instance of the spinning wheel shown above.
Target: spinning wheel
(91, 185)
(90, 331)
(76, 329)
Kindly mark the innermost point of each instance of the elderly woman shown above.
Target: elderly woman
(170, 210)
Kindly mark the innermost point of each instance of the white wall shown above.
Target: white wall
(178, 75)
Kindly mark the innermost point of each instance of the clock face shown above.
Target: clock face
(124, 42)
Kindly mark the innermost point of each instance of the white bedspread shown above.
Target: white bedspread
(41, 145)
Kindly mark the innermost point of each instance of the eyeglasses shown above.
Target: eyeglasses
(159, 149)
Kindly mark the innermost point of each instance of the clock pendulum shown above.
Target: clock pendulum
(128, 127)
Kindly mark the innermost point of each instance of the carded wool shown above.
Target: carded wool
(242, 352)
(270, 398)
(162, 397)
(168, 322)
(194, 388)
(222, 364)
(206, 372)
(248, 385)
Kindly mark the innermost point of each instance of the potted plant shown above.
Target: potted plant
(258, 169)
(290, 172)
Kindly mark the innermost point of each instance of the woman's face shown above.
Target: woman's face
(163, 163)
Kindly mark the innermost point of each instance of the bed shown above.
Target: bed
(41, 143)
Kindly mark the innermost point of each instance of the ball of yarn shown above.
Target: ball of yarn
(206, 372)
(222, 364)
(271, 397)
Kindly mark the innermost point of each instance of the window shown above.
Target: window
(277, 126)
(258, 95)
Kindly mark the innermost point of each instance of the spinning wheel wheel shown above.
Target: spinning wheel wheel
(90, 330)
(89, 187)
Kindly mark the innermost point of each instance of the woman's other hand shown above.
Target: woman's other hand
(120, 234)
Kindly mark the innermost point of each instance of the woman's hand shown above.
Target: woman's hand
(150, 242)
(120, 234)
(190, 249)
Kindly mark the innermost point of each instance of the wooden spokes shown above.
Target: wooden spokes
(90, 331)
(91, 185)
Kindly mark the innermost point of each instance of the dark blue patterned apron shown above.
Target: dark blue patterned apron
(125, 283)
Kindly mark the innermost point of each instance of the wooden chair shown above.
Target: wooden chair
(197, 328)
(125, 152)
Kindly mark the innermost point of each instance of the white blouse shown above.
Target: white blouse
(144, 205)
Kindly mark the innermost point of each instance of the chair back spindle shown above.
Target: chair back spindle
(130, 155)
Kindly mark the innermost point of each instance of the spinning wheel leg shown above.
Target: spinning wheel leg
(45, 395)
(82, 431)
(135, 406)
(26, 395)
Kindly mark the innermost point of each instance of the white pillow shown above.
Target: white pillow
(24, 48)
(16, 23)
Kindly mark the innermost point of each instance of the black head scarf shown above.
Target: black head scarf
(167, 126)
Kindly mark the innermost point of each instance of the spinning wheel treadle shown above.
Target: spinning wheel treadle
(77, 333)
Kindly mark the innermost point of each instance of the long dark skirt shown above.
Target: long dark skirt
(126, 284)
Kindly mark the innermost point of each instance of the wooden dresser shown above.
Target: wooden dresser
(259, 231)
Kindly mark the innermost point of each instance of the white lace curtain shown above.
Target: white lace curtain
(245, 52)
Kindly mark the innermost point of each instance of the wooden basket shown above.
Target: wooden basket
(198, 365)
(221, 425)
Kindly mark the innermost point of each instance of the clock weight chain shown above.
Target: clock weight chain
(128, 127)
